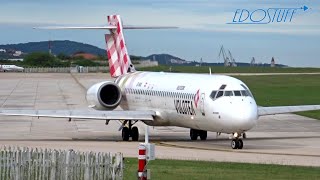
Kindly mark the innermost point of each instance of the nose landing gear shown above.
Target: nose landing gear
(236, 142)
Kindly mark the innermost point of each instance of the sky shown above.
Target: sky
(204, 25)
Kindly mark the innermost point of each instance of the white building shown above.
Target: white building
(18, 59)
(17, 53)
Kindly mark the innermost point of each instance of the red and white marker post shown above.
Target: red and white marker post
(142, 172)
(146, 154)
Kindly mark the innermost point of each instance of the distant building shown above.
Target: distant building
(3, 51)
(17, 59)
(17, 53)
(273, 63)
(85, 55)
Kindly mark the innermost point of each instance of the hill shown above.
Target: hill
(70, 47)
(57, 47)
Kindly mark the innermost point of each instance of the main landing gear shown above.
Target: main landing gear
(236, 142)
(130, 131)
(194, 133)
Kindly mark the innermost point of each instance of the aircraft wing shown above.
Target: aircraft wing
(262, 111)
(83, 114)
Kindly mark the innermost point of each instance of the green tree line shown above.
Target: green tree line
(44, 59)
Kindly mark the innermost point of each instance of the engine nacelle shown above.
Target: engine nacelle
(104, 96)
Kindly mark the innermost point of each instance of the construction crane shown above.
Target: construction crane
(225, 57)
(253, 62)
(50, 46)
(233, 62)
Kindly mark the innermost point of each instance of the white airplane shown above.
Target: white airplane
(7, 68)
(201, 102)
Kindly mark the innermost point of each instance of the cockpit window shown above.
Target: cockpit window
(228, 93)
(244, 93)
(213, 94)
(220, 93)
(237, 93)
(248, 91)
(222, 87)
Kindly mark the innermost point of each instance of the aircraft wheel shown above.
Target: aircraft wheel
(234, 143)
(135, 134)
(125, 134)
(193, 134)
(203, 135)
(240, 146)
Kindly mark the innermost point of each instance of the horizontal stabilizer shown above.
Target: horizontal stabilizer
(103, 27)
(76, 27)
(149, 27)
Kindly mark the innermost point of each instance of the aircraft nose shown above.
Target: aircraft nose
(245, 117)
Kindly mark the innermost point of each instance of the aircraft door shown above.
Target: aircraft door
(202, 98)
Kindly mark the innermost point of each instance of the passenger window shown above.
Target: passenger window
(228, 93)
(219, 94)
(237, 93)
(213, 94)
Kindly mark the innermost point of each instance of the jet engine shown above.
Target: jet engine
(104, 95)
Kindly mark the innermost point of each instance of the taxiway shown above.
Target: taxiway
(281, 139)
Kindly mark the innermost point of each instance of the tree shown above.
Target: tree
(62, 56)
(41, 59)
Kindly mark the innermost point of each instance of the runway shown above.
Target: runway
(282, 139)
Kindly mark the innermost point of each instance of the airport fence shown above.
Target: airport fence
(81, 69)
(36, 164)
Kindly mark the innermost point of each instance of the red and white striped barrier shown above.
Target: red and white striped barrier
(142, 162)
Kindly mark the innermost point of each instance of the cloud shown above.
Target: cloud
(201, 15)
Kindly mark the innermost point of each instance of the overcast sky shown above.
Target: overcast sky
(203, 27)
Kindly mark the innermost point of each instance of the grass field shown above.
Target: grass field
(177, 169)
(221, 69)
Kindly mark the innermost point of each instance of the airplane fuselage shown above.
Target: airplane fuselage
(7, 68)
(215, 103)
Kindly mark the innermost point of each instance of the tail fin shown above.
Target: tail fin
(119, 60)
